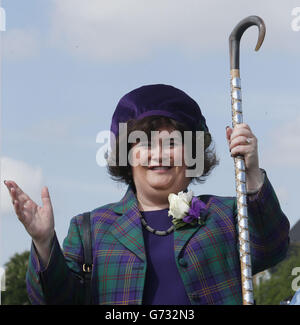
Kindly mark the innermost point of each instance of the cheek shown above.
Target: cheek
(139, 157)
(143, 157)
(178, 156)
(138, 175)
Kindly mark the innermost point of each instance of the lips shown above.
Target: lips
(159, 168)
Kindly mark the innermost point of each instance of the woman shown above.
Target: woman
(159, 244)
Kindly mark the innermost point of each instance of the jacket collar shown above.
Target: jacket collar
(127, 202)
(127, 227)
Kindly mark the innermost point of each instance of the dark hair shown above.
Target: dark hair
(153, 123)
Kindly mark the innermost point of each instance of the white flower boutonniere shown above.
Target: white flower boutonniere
(185, 208)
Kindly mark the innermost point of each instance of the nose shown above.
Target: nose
(159, 154)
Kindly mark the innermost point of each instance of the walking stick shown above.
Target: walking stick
(240, 176)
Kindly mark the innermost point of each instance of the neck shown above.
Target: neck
(152, 203)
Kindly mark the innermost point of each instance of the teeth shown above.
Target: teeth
(162, 167)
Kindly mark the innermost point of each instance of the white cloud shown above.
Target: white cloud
(29, 178)
(19, 44)
(130, 29)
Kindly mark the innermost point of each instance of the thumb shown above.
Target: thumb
(228, 133)
(46, 197)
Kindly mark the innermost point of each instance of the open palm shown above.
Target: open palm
(37, 220)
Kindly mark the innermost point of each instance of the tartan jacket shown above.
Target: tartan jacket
(206, 255)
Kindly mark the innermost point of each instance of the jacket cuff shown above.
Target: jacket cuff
(35, 258)
(265, 188)
(35, 268)
(268, 228)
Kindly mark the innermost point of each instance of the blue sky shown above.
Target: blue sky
(66, 63)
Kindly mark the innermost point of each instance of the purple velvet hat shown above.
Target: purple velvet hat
(162, 100)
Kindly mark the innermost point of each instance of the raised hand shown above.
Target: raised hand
(37, 220)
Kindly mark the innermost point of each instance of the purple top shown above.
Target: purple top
(163, 284)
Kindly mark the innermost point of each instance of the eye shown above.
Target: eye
(144, 144)
(173, 143)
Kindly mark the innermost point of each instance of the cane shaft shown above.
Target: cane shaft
(241, 195)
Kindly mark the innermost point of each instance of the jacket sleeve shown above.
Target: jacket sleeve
(59, 282)
(268, 228)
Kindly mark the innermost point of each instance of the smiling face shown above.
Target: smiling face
(158, 166)
(152, 182)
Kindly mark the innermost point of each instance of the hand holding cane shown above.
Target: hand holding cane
(240, 175)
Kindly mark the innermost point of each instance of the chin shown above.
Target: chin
(159, 180)
(160, 185)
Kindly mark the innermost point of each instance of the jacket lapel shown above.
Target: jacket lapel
(127, 227)
(184, 234)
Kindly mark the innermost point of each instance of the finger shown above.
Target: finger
(22, 198)
(46, 197)
(228, 133)
(23, 215)
(9, 186)
(236, 152)
(10, 193)
(16, 191)
(18, 210)
(240, 150)
(241, 132)
(240, 140)
(12, 184)
(24, 209)
(243, 126)
(29, 206)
